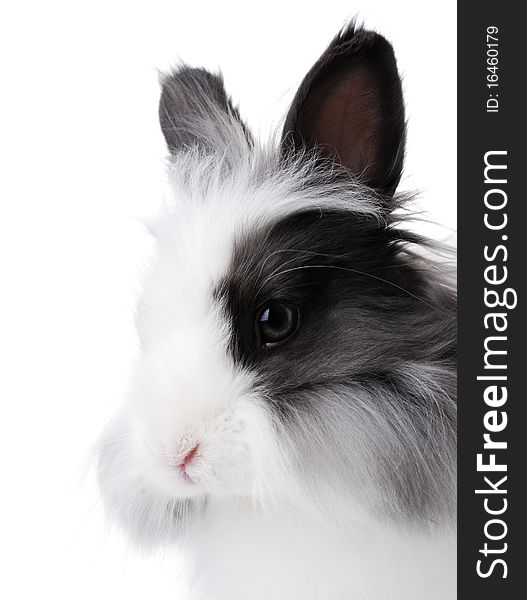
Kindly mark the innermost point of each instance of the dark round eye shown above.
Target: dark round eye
(276, 323)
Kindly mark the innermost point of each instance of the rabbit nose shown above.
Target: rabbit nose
(185, 461)
(181, 452)
(181, 455)
(188, 457)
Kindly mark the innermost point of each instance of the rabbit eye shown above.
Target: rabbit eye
(276, 323)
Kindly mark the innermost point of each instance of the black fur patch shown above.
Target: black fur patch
(364, 308)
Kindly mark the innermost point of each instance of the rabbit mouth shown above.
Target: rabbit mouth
(186, 477)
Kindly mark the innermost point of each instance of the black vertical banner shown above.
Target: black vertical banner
(492, 235)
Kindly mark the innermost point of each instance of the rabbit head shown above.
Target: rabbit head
(295, 347)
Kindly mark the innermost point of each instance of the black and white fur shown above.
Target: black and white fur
(325, 467)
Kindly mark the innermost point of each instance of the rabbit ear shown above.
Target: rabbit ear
(194, 110)
(350, 107)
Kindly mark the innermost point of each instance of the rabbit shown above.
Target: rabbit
(290, 425)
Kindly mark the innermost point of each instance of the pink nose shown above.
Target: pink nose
(185, 461)
(188, 457)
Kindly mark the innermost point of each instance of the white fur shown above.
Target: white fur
(245, 556)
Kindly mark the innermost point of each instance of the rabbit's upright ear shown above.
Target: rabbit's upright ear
(194, 110)
(349, 107)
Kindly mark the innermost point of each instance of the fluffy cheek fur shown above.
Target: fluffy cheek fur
(169, 412)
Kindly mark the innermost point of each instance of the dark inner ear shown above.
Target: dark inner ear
(350, 108)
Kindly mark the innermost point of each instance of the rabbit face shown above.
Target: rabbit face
(293, 347)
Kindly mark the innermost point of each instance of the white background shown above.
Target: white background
(80, 159)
